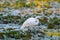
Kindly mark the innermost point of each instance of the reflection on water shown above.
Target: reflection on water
(15, 34)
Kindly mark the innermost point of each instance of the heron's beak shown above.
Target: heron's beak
(38, 19)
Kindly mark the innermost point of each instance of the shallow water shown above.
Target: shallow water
(33, 37)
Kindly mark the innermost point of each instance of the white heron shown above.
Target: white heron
(29, 22)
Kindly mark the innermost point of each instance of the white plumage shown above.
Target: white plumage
(29, 22)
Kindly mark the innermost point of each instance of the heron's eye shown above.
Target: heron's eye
(35, 21)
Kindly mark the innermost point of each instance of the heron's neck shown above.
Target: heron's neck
(22, 27)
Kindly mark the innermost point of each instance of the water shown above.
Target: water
(34, 36)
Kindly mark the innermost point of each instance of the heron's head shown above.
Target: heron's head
(40, 18)
(33, 21)
(36, 22)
